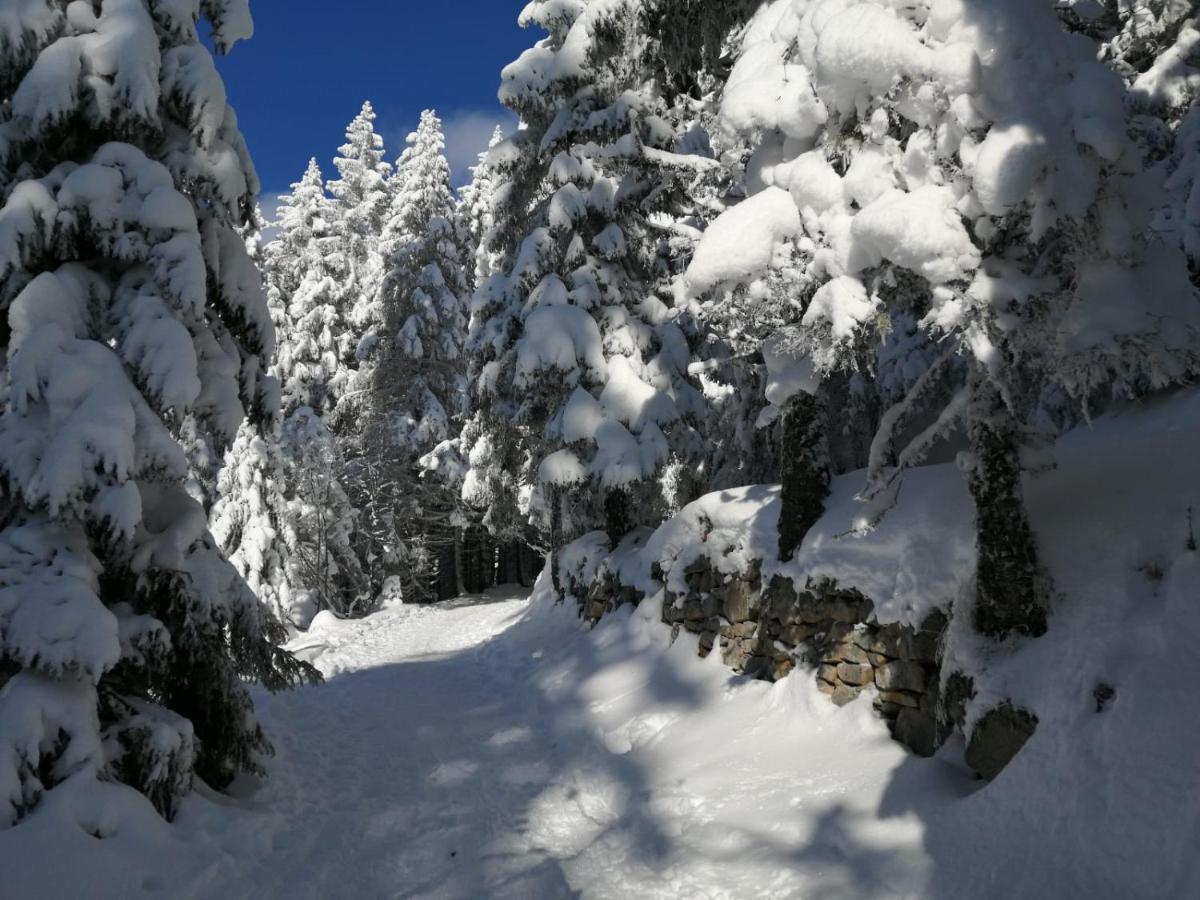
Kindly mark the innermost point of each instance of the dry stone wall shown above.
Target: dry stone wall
(765, 630)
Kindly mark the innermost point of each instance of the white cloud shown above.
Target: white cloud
(467, 134)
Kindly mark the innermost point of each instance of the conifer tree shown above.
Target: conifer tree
(314, 519)
(132, 305)
(580, 376)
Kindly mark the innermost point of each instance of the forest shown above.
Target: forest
(786, 352)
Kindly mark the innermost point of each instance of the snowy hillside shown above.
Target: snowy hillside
(773, 474)
(491, 747)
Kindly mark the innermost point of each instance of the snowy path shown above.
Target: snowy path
(497, 750)
(445, 757)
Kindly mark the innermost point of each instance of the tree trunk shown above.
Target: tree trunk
(460, 586)
(616, 516)
(556, 541)
(1010, 588)
(804, 472)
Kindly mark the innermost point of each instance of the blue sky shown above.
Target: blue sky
(311, 64)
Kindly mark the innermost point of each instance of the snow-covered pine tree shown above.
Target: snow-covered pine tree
(130, 304)
(476, 217)
(306, 275)
(415, 395)
(934, 186)
(361, 196)
(580, 378)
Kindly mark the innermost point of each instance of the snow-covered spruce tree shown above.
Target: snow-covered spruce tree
(306, 273)
(359, 209)
(360, 204)
(580, 378)
(476, 218)
(130, 303)
(936, 185)
(416, 392)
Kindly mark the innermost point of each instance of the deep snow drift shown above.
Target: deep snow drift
(494, 748)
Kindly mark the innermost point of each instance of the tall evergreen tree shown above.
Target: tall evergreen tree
(313, 517)
(580, 376)
(132, 304)
(414, 399)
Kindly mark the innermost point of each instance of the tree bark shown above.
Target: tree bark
(1010, 588)
(616, 515)
(804, 472)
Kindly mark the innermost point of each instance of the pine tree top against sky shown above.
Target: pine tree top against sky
(394, 54)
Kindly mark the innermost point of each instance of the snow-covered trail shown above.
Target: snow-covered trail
(450, 756)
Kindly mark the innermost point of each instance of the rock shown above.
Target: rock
(959, 690)
(743, 629)
(846, 607)
(856, 675)
(842, 694)
(1103, 695)
(797, 634)
(671, 614)
(596, 609)
(901, 698)
(707, 639)
(889, 711)
(916, 730)
(783, 668)
(919, 646)
(628, 594)
(877, 659)
(848, 651)
(736, 653)
(711, 605)
(901, 675)
(739, 602)
(998, 737)
(935, 623)
(693, 609)
(780, 600)
(759, 667)
(826, 687)
(828, 674)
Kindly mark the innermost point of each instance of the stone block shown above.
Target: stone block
(843, 694)
(856, 675)
(901, 675)
(797, 634)
(740, 603)
(901, 698)
(827, 674)
(997, 738)
(916, 730)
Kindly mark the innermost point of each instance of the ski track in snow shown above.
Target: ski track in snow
(448, 757)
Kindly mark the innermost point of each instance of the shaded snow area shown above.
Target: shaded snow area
(494, 747)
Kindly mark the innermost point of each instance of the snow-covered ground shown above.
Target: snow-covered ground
(494, 747)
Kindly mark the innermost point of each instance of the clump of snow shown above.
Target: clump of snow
(921, 231)
(764, 93)
(841, 304)
(1007, 164)
(743, 242)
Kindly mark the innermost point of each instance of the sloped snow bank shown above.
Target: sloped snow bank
(499, 749)
(1104, 799)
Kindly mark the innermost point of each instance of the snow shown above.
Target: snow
(564, 338)
(492, 747)
(1008, 163)
(764, 93)
(742, 242)
(843, 304)
(920, 231)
